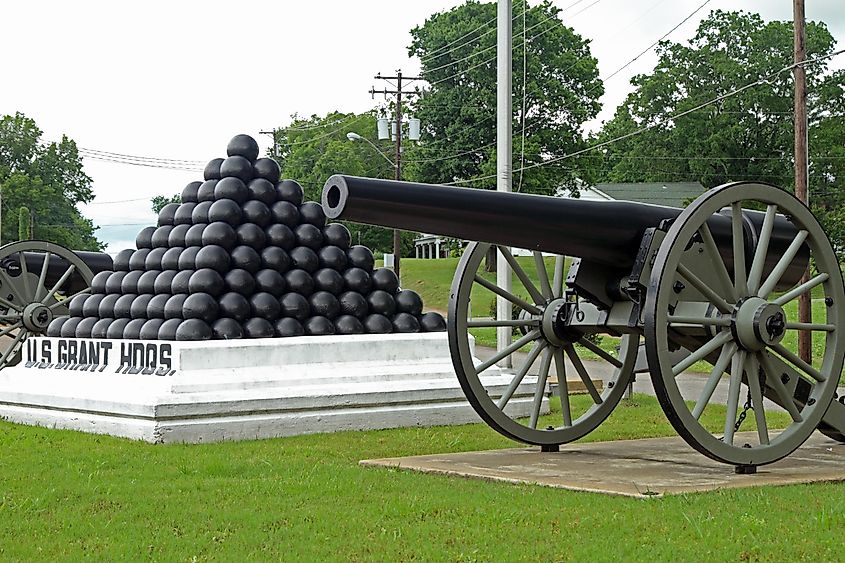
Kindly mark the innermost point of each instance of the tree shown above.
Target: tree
(48, 178)
(748, 136)
(458, 53)
(24, 224)
(160, 201)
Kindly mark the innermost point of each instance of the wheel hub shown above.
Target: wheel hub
(36, 317)
(549, 321)
(756, 323)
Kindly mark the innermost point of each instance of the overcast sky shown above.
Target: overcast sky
(177, 79)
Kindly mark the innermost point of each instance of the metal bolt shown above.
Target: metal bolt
(828, 301)
(811, 402)
(610, 385)
(678, 287)
(784, 379)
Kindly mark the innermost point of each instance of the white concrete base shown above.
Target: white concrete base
(243, 389)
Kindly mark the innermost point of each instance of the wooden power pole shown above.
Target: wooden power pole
(801, 161)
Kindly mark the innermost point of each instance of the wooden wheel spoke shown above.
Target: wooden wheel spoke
(545, 364)
(9, 305)
(505, 352)
(757, 398)
(42, 277)
(737, 364)
(790, 356)
(716, 258)
(717, 300)
(25, 275)
(783, 264)
(582, 373)
(68, 299)
(715, 376)
(58, 284)
(13, 346)
(774, 381)
(10, 328)
(595, 349)
(801, 289)
(810, 326)
(518, 301)
(563, 388)
(557, 283)
(542, 274)
(703, 321)
(7, 281)
(520, 273)
(520, 374)
(762, 250)
(738, 235)
(492, 322)
(711, 346)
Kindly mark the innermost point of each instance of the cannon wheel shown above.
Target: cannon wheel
(511, 403)
(748, 323)
(27, 305)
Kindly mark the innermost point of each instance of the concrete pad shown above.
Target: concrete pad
(635, 468)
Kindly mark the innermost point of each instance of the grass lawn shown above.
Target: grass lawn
(66, 495)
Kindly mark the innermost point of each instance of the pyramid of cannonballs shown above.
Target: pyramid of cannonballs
(243, 257)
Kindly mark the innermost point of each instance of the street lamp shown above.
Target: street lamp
(356, 137)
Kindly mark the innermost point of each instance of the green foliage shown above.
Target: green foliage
(49, 180)
(24, 224)
(458, 110)
(748, 136)
(160, 201)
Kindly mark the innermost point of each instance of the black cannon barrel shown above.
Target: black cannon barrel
(96, 261)
(607, 232)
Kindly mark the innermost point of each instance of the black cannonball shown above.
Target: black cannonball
(240, 281)
(270, 281)
(149, 331)
(304, 258)
(206, 280)
(386, 280)
(405, 322)
(185, 214)
(265, 305)
(167, 331)
(106, 308)
(243, 145)
(98, 283)
(408, 301)
(332, 257)
(83, 329)
(381, 302)
(155, 307)
(123, 306)
(189, 193)
(357, 279)
(318, 326)
(138, 309)
(139, 259)
(308, 235)
(267, 169)
(285, 212)
(177, 236)
(257, 212)
(326, 279)
(262, 190)
(288, 327)
(234, 305)
(377, 324)
(153, 260)
(225, 210)
(115, 281)
(212, 169)
(299, 281)
(144, 239)
(236, 167)
(167, 214)
(99, 330)
(91, 306)
(280, 235)
(353, 303)
(338, 235)
(130, 282)
(226, 329)
(432, 322)
(206, 191)
(361, 257)
(170, 259)
(312, 212)
(200, 306)
(245, 257)
(68, 328)
(161, 236)
(231, 188)
(115, 329)
(324, 304)
(188, 258)
(180, 282)
(164, 282)
(214, 257)
(295, 305)
(250, 234)
(347, 324)
(121, 260)
(193, 329)
(132, 330)
(258, 328)
(146, 283)
(173, 306)
(200, 213)
(275, 258)
(220, 234)
(194, 235)
(290, 191)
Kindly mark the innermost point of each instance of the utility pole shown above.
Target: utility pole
(801, 161)
(397, 166)
(504, 154)
(272, 134)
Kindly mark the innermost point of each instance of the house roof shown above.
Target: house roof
(672, 194)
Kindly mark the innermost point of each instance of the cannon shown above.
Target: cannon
(707, 294)
(37, 282)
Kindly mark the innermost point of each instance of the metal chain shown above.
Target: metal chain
(744, 412)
